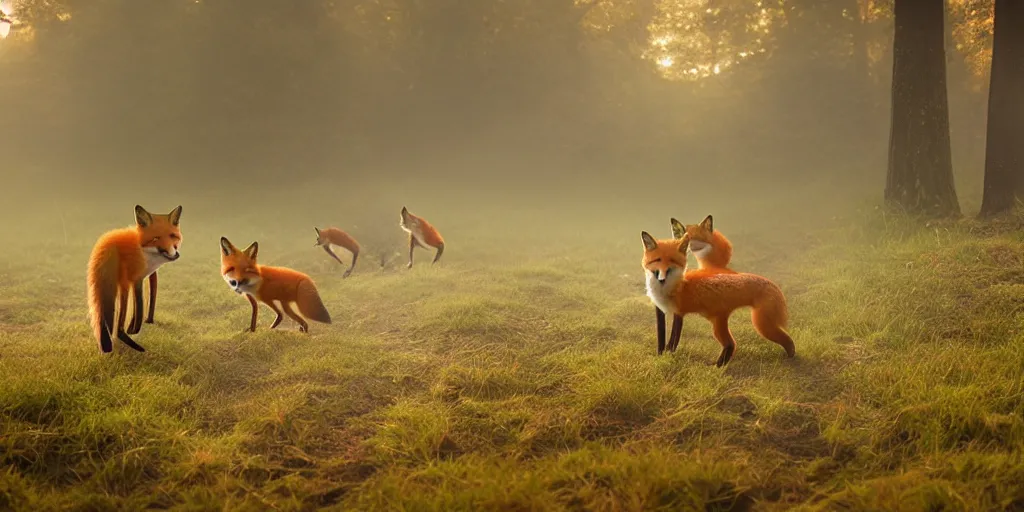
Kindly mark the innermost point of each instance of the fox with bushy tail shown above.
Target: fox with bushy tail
(119, 262)
(269, 284)
(712, 294)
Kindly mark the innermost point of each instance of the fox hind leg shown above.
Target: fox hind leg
(287, 306)
(122, 317)
(440, 251)
(771, 331)
(106, 322)
(355, 256)
(720, 328)
(136, 324)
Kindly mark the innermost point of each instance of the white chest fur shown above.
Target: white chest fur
(700, 250)
(153, 260)
(414, 229)
(662, 294)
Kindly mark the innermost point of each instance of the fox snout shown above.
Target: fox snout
(235, 283)
(169, 255)
(661, 275)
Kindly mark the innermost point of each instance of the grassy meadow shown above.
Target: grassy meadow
(520, 373)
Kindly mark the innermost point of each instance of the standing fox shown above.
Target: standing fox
(119, 261)
(335, 236)
(268, 284)
(421, 233)
(712, 294)
(709, 247)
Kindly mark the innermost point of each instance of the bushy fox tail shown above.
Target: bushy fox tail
(770, 315)
(102, 292)
(310, 304)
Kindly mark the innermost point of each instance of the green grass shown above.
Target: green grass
(520, 375)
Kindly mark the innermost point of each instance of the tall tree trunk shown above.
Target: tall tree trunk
(920, 175)
(1004, 146)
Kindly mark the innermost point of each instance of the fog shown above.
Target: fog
(580, 111)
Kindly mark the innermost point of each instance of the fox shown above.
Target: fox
(119, 262)
(711, 293)
(268, 284)
(710, 248)
(334, 236)
(421, 233)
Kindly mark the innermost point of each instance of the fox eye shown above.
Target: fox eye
(229, 270)
(174, 237)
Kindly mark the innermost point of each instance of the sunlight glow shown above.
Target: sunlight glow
(5, 29)
(688, 40)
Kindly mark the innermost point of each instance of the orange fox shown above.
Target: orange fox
(709, 247)
(421, 233)
(711, 293)
(335, 236)
(268, 284)
(119, 261)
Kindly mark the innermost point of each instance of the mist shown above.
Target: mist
(519, 105)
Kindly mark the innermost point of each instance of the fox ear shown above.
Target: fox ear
(684, 243)
(317, 231)
(226, 247)
(650, 243)
(252, 250)
(678, 229)
(175, 215)
(405, 211)
(707, 224)
(142, 217)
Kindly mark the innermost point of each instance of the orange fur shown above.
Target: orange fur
(720, 253)
(270, 285)
(334, 236)
(421, 233)
(337, 237)
(117, 265)
(714, 294)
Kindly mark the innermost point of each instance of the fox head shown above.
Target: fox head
(239, 268)
(160, 234)
(320, 238)
(409, 221)
(664, 260)
(701, 235)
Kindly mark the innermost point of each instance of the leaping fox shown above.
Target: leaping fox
(334, 236)
(421, 233)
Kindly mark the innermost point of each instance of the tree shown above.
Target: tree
(920, 174)
(1004, 146)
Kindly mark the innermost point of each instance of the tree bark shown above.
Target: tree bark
(920, 174)
(1004, 144)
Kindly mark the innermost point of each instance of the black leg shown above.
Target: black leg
(136, 324)
(660, 316)
(677, 330)
(152, 297)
